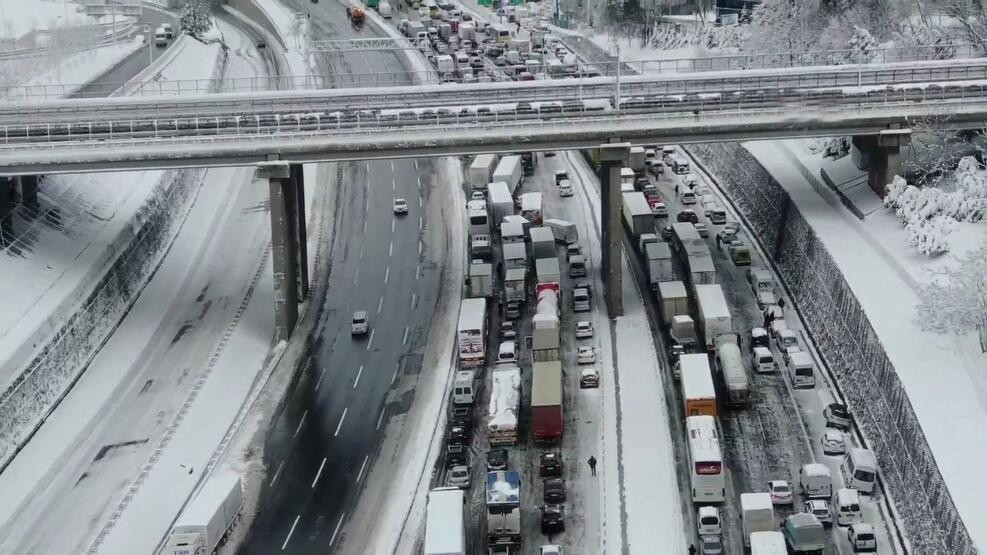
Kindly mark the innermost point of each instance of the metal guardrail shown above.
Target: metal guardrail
(107, 33)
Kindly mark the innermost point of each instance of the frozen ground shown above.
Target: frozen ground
(20, 17)
(174, 374)
(884, 275)
(83, 67)
(293, 32)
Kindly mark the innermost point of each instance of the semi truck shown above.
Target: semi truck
(545, 332)
(659, 257)
(481, 279)
(472, 332)
(445, 522)
(542, 243)
(701, 269)
(515, 256)
(698, 392)
(500, 202)
(481, 171)
(514, 284)
(505, 400)
(503, 500)
(637, 214)
(509, 171)
(206, 521)
(673, 300)
(546, 401)
(714, 314)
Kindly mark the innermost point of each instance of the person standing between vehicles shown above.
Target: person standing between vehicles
(781, 303)
(692, 549)
(592, 465)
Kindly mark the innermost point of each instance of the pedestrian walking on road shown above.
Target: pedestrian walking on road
(592, 465)
(718, 240)
(781, 303)
(692, 549)
(676, 189)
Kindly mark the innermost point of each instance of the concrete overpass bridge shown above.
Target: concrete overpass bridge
(280, 130)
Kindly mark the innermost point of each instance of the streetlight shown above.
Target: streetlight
(150, 45)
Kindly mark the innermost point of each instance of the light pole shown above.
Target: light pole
(150, 45)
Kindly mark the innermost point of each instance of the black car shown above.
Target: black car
(687, 215)
(552, 519)
(497, 459)
(550, 465)
(759, 338)
(640, 183)
(512, 310)
(838, 416)
(461, 414)
(457, 455)
(554, 490)
(666, 233)
(459, 434)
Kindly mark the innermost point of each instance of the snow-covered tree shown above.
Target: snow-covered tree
(955, 301)
(861, 45)
(968, 19)
(928, 236)
(194, 19)
(894, 190)
(777, 26)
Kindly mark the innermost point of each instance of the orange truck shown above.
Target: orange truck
(356, 14)
(698, 392)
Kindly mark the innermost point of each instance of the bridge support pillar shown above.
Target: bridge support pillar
(880, 155)
(6, 205)
(26, 189)
(287, 233)
(612, 158)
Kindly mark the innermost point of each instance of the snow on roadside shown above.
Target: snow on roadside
(293, 31)
(20, 17)
(73, 71)
(885, 291)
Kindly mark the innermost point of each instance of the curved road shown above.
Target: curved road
(323, 444)
(131, 65)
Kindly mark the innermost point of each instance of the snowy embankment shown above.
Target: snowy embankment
(24, 16)
(885, 275)
(293, 32)
(76, 270)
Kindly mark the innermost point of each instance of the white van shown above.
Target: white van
(160, 37)
(680, 165)
(507, 353)
(762, 360)
(859, 469)
(846, 507)
(816, 481)
(801, 370)
(708, 519)
(444, 64)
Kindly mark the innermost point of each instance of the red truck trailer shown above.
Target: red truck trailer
(546, 401)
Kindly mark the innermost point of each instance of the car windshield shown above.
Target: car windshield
(864, 475)
(781, 488)
(866, 536)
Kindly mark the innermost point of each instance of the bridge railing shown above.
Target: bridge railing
(423, 127)
(29, 93)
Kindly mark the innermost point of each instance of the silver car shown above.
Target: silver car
(459, 477)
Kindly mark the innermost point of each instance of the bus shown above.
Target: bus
(706, 469)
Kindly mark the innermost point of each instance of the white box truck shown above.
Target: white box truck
(757, 514)
(445, 522)
(514, 287)
(515, 256)
(500, 202)
(565, 232)
(637, 214)
(531, 207)
(542, 242)
(636, 160)
(204, 523)
(509, 171)
(714, 314)
(659, 257)
(482, 167)
(673, 300)
(481, 279)
(547, 270)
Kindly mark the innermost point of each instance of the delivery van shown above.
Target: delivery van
(816, 481)
(801, 370)
(846, 507)
(859, 469)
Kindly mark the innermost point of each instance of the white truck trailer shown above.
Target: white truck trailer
(500, 202)
(204, 523)
(514, 284)
(673, 300)
(637, 214)
(445, 522)
(659, 257)
(481, 279)
(756, 514)
(481, 170)
(505, 402)
(714, 314)
(548, 270)
(542, 242)
(509, 171)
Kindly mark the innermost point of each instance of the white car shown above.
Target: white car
(833, 443)
(589, 378)
(584, 329)
(401, 206)
(781, 492)
(862, 537)
(361, 323)
(565, 188)
(820, 509)
(459, 477)
(478, 195)
(550, 550)
(586, 355)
